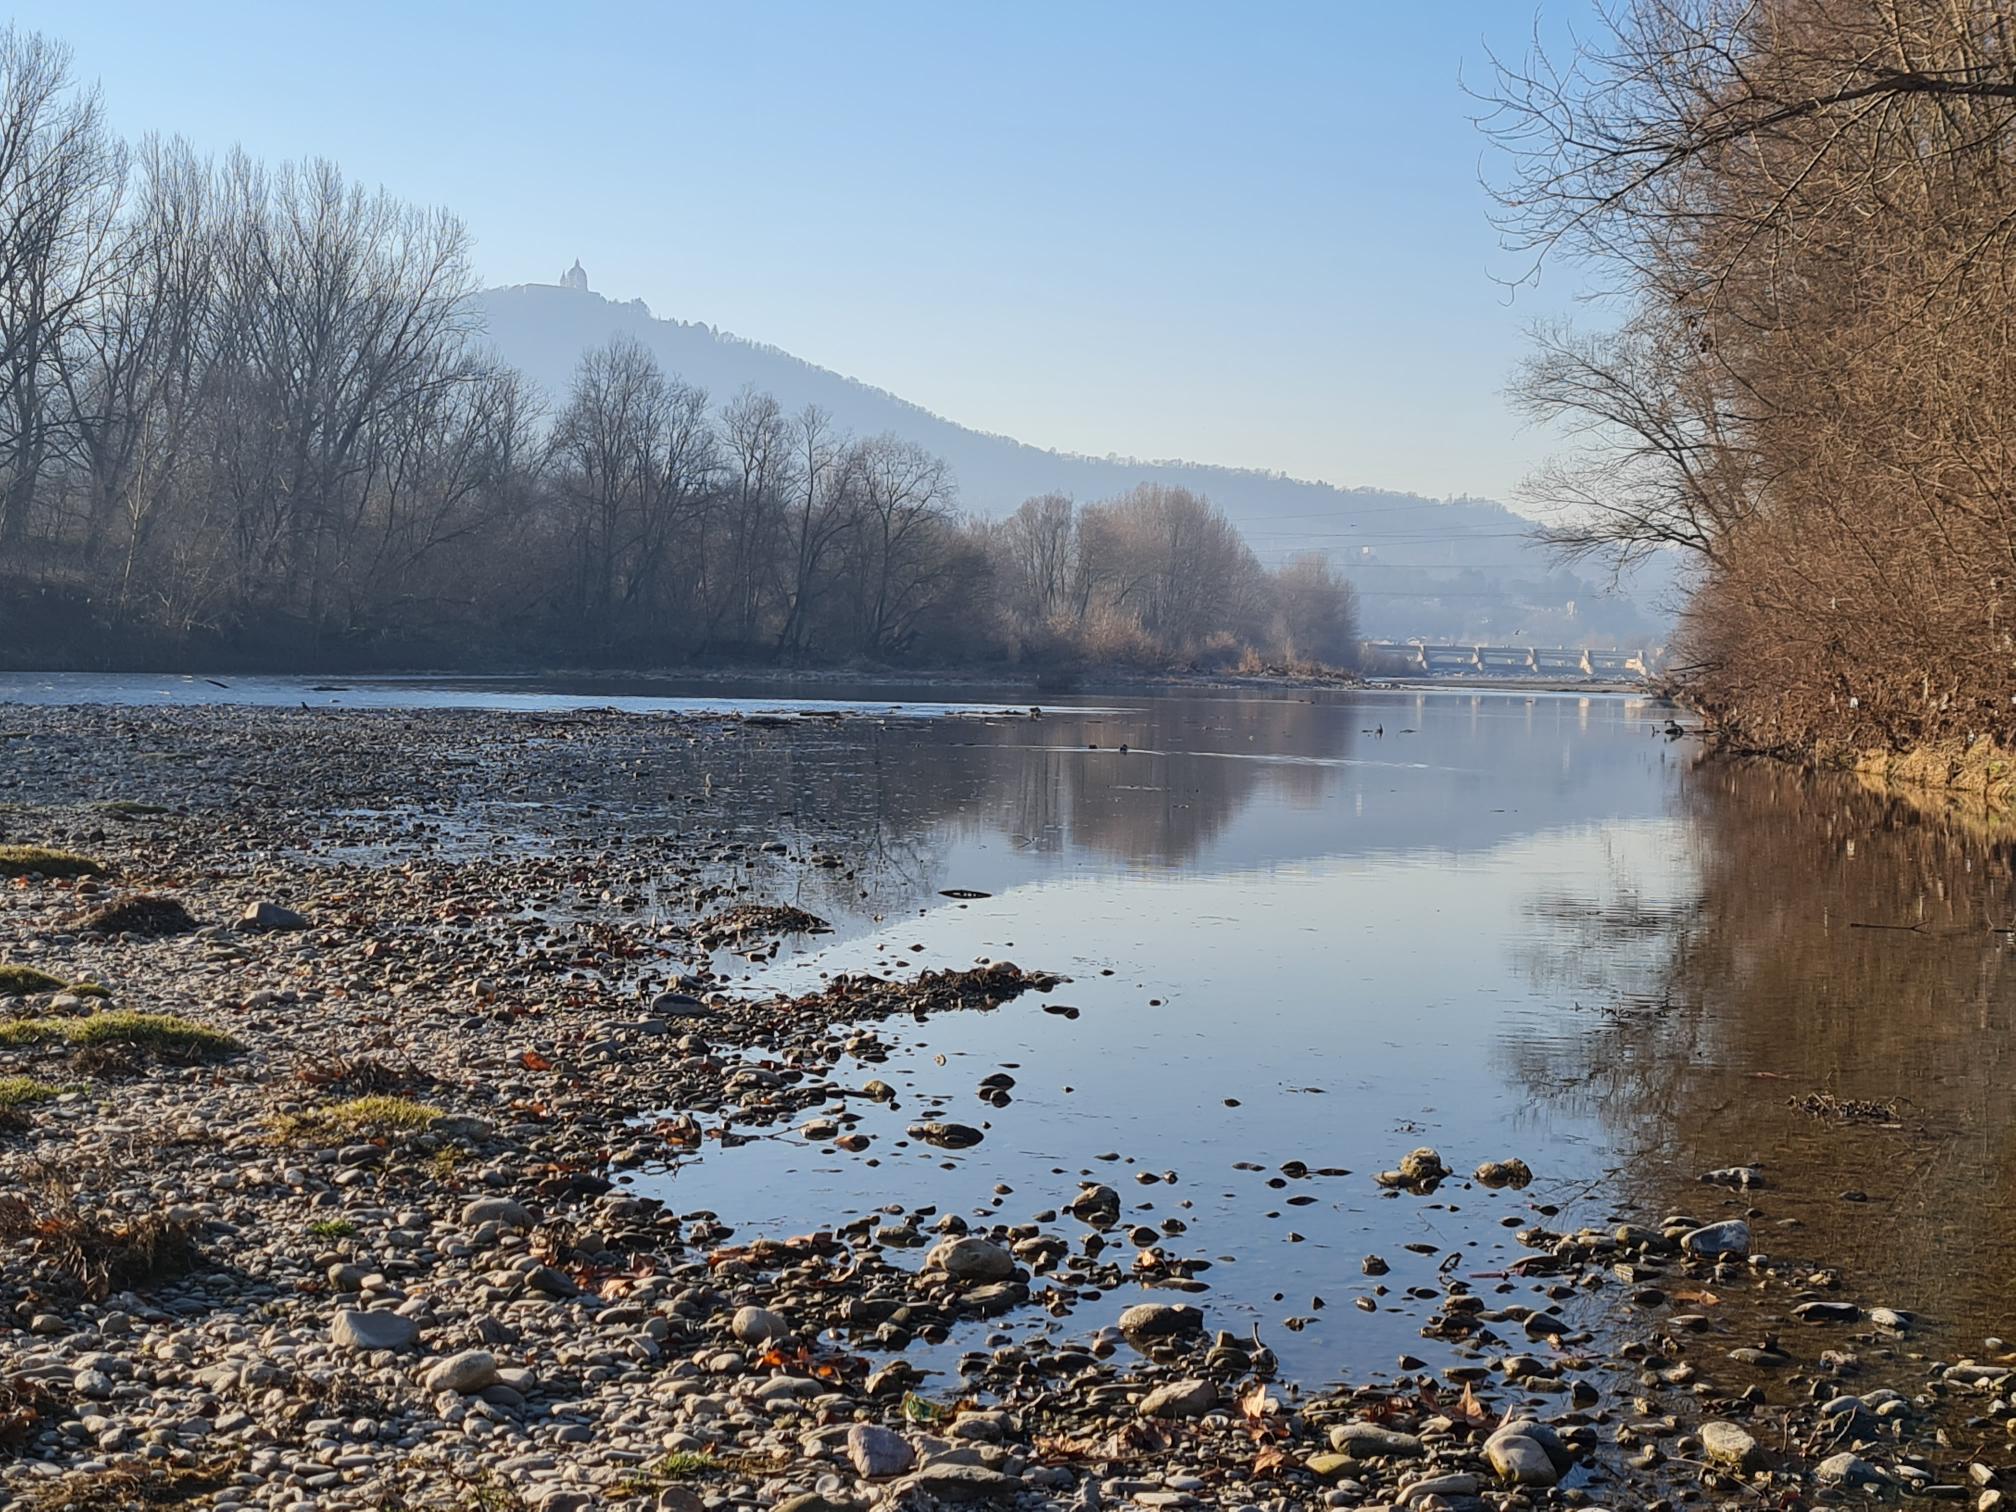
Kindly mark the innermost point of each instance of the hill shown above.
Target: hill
(1440, 568)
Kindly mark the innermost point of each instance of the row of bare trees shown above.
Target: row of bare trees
(1800, 210)
(230, 395)
(755, 531)
(689, 528)
(247, 410)
(1159, 572)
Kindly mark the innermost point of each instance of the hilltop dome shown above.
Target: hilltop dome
(575, 277)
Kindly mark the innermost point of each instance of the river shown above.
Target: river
(1308, 932)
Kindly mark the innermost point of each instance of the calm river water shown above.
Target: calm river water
(1327, 928)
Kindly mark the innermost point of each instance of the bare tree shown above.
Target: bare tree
(821, 516)
(1042, 544)
(61, 174)
(1316, 612)
(758, 454)
(1800, 210)
(905, 497)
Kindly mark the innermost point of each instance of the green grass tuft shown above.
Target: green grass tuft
(20, 860)
(331, 1228)
(681, 1464)
(20, 981)
(361, 1118)
(20, 1091)
(161, 1034)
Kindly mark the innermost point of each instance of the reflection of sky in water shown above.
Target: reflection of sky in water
(1511, 925)
(1328, 950)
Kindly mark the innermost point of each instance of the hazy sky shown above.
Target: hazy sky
(1241, 234)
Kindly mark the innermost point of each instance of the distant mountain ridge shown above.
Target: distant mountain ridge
(1425, 566)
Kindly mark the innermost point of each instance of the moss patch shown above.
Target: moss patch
(20, 1091)
(361, 1118)
(157, 1034)
(20, 860)
(20, 981)
(161, 1033)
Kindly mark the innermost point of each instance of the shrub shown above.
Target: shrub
(98, 1253)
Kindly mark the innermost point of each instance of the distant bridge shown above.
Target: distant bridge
(1506, 661)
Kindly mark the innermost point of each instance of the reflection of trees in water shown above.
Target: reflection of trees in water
(1767, 984)
(1169, 796)
(880, 793)
(888, 800)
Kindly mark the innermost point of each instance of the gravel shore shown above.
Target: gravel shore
(334, 1046)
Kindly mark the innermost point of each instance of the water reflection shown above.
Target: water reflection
(1305, 932)
(1452, 773)
(1291, 939)
(1803, 936)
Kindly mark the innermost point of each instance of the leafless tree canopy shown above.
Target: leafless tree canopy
(244, 410)
(1805, 214)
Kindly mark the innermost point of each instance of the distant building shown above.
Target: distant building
(575, 277)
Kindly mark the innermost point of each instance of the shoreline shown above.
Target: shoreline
(378, 1246)
(815, 683)
(1062, 680)
(1970, 784)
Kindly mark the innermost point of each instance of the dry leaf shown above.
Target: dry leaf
(1470, 1409)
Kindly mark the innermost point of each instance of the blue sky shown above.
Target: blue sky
(1246, 235)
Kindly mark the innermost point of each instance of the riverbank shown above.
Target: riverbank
(24, 654)
(363, 1226)
(1971, 784)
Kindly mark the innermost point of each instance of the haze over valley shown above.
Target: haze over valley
(1450, 569)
